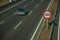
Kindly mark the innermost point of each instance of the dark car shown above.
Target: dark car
(22, 11)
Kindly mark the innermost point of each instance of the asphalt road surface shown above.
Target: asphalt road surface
(14, 27)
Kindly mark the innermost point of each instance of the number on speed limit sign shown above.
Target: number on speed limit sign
(47, 14)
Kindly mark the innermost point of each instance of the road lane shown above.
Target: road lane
(10, 22)
(6, 14)
(11, 16)
(10, 6)
(15, 13)
(28, 26)
(11, 11)
(33, 4)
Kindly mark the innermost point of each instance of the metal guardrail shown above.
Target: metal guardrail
(53, 35)
(58, 36)
(58, 24)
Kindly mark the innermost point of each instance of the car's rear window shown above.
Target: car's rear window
(21, 9)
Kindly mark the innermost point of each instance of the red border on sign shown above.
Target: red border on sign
(47, 11)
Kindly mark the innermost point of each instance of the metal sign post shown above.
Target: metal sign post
(47, 15)
(47, 24)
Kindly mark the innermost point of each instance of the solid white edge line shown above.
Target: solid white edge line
(13, 6)
(36, 28)
(40, 29)
(49, 5)
(39, 23)
(18, 24)
(10, 0)
(47, 9)
(30, 12)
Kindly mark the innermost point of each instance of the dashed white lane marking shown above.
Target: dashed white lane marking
(30, 12)
(32, 1)
(41, 0)
(5, 19)
(18, 24)
(26, 5)
(2, 22)
(15, 13)
(36, 29)
(13, 6)
(37, 5)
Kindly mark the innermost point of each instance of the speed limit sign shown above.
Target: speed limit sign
(47, 14)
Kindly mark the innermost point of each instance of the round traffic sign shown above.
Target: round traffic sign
(47, 14)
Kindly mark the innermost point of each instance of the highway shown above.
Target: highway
(14, 27)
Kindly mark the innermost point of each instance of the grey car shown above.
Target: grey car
(22, 11)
